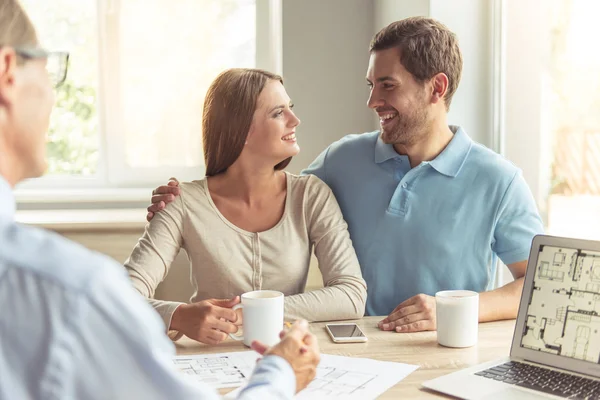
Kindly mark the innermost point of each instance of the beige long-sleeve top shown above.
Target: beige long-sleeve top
(227, 261)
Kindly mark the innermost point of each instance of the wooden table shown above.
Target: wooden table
(410, 348)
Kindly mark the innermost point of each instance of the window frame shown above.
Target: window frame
(524, 102)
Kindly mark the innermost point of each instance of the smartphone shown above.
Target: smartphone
(345, 333)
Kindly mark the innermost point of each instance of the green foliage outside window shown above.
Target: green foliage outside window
(73, 135)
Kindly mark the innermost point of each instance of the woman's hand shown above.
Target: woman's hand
(207, 321)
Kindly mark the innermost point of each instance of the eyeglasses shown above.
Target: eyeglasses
(57, 62)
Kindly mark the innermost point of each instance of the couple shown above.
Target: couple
(427, 208)
(71, 326)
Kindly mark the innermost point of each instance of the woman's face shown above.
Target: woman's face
(272, 135)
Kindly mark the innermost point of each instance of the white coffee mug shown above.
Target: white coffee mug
(457, 313)
(262, 317)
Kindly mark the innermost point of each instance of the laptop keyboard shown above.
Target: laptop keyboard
(544, 380)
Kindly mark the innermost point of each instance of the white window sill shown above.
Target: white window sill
(84, 220)
(83, 209)
(83, 195)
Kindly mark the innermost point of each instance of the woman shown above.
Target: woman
(249, 225)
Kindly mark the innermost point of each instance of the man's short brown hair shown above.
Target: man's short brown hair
(427, 47)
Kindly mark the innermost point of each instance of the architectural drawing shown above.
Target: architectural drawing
(564, 307)
(333, 382)
(218, 370)
(350, 378)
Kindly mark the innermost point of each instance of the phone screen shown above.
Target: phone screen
(349, 330)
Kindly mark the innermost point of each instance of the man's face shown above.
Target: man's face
(28, 97)
(401, 102)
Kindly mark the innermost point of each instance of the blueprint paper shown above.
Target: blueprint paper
(222, 370)
(351, 378)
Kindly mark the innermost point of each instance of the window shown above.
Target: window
(553, 109)
(73, 138)
(571, 80)
(129, 114)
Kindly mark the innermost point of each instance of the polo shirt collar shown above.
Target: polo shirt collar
(450, 161)
(384, 152)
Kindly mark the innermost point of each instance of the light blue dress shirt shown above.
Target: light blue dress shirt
(72, 327)
(438, 226)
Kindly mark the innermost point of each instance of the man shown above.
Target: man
(427, 208)
(71, 325)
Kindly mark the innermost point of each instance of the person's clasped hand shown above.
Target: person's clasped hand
(299, 348)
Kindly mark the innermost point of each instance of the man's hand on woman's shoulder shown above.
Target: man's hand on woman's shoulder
(161, 196)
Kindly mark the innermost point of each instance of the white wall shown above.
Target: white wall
(325, 56)
(471, 105)
(388, 11)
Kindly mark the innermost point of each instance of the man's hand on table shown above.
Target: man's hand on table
(413, 315)
(299, 348)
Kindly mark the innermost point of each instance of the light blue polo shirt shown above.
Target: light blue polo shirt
(438, 226)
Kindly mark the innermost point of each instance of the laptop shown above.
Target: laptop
(555, 351)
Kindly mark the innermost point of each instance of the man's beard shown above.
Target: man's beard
(407, 130)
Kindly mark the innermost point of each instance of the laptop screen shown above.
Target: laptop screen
(563, 315)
